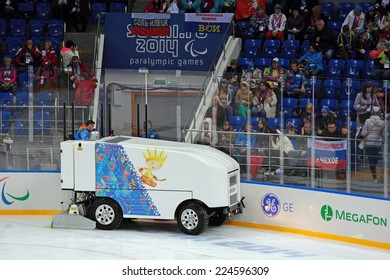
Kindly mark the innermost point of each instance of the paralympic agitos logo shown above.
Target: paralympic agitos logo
(7, 198)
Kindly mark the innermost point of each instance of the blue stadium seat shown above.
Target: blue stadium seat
(274, 123)
(262, 63)
(335, 68)
(243, 29)
(96, 9)
(252, 47)
(37, 28)
(331, 88)
(345, 6)
(21, 125)
(255, 121)
(309, 88)
(344, 110)
(289, 105)
(304, 47)
(17, 26)
(6, 99)
(284, 63)
(117, 7)
(3, 28)
(26, 9)
(305, 101)
(42, 122)
(245, 63)
(5, 120)
(44, 99)
(23, 80)
(366, 5)
(290, 49)
(353, 68)
(43, 10)
(335, 26)
(56, 28)
(332, 104)
(352, 86)
(271, 48)
(22, 98)
(369, 66)
(237, 123)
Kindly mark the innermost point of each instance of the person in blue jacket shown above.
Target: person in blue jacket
(313, 61)
(84, 132)
(189, 6)
(151, 132)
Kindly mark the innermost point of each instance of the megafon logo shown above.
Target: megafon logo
(326, 213)
(6, 199)
(270, 205)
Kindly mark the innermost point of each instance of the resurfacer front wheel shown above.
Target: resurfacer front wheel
(192, 218)
(107, 214)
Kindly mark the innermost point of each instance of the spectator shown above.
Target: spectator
(216, 112)
(364, 44)
(355, 20)
(295, 82)
(8, 9)
(295, 25)
(244, 99)
(380, 46)
(225, 6)
(244, 144)
(8, 76)
(170, 7)
(154, 6)
(233, 74)
(189, 6)
(306, 115)
(313, 61)
(206, 135)
(28, 54)
(382, 61)
(62, 11)
(261, 150)
(79, 14)
(264, 102)
(364, 104)
(259, 23)
(84, 132)
(323, 119)
(297, 158)
(345, 42)
(46, 76)
(382, 23)
(68, 52)
(226, 138)
(253, 77)
(49, 53)
(84, 90)
(324, 38)
(311, 21)
(373, 133)
(78, 68)
(274, 75)
(331, 131)
(151, 132)
(277, 23)
(225, 98)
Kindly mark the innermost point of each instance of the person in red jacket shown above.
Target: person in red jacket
(84, 92)
(8, 76)
(78, 68)
(46, 76)
(29, 54)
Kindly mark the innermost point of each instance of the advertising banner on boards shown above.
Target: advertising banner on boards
(164, 42)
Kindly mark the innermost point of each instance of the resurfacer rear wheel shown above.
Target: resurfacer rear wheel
(107, 214)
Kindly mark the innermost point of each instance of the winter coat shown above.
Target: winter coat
(84, 92)
(373, 131)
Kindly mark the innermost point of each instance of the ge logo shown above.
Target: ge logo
(326, 213)
(270, 204)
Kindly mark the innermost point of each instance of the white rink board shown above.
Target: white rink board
(43, 189)
(302, 209)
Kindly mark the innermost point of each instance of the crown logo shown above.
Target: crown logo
(155, 156)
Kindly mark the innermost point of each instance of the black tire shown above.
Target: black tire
(192, 218)
(217, 220)
(107, 213)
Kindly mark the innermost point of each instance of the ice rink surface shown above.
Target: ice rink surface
(31, 237)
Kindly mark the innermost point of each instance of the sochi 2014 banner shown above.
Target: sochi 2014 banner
(125, 48)
(329, 155)
(208, 22)
(150, 24)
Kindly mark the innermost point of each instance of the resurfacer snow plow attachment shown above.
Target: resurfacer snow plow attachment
(71, 219)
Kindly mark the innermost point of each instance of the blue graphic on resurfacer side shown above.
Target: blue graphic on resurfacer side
(117, 178)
